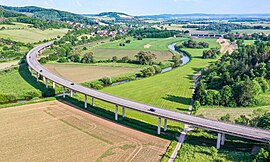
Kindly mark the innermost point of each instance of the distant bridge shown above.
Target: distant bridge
(220, 127)
(207, 35)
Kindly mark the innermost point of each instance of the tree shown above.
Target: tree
(75, 58)
(247, 91)
(226, 95)
(243, 120)
(264, 154)
(264, 121)
(196, 106)
(225, 118)
(88, 58)
(114, 59)
(200, 92)
(125, 59)
(145, 57)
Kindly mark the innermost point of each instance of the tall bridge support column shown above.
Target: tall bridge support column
(93, 101)
(218, 141)
(64, 92)
(222, 139)
(116, 112)
(165, 125)
(123, 112)
(85, 101)
(53, 85)
(71, 93)
(46, 82)
(37, 77)
(159, 123)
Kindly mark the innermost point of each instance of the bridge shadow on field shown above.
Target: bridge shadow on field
(178, 99)
(170, 134)
(30, 79)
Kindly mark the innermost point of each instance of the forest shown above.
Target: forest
(237, 79)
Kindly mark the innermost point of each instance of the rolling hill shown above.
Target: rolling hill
(50, 14)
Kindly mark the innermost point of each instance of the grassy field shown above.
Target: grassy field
(216, 113)
(23, 33)
(19, 82)
(158, 46)
(198, 143)
(83, 73)
(108, 53)
(155, 44)
(54, 131)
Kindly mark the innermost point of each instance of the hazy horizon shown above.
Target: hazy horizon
(150, 7)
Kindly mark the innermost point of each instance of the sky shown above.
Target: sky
(150, 7)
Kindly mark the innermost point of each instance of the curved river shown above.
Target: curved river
(184, 58)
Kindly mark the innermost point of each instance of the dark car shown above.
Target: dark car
(153, 110)
(72, 84)
(41, 71)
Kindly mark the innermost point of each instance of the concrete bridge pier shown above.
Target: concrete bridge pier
(218, 141)
(159, 123)
(71, 93)
(116, 112)
(53, 85)
(85, 101)
(93, 101)
(37, 77)
(46, 82)
(64, 92)
(222, 139)
(165, 125)
(123, 112)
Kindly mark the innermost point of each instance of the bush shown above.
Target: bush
(196, 106)
(43, 60)
(4, 98)
(106, 80)
(128, 41)
(84, 48)
(63, 60)
(157, 69)
(150, 71)
(32, 94)
(52, 57)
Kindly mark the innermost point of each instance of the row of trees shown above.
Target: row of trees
(221, 27)
(237, 79)
(212, 53)
(152, 33)
(194, 44)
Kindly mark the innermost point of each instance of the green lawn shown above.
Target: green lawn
(23, 33)
(198, 143)
(108, 53)
(216, 113)
(156, 44)
(19, 82)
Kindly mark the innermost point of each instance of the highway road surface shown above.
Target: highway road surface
(216, 126)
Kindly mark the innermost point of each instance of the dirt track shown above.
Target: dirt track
(54, 131)
(226, 46)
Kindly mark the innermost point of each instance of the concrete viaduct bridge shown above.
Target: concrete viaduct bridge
(221, 128)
